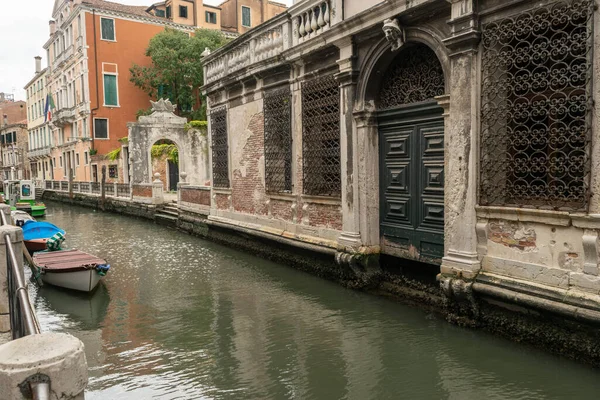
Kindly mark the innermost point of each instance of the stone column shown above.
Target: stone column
(367, 156)
(350, 239)
(462, 142)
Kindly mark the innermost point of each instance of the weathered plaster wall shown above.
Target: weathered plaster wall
(561, 254)
(247, 158)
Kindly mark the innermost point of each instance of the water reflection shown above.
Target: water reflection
(181, 318)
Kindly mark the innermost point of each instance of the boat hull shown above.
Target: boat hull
(35, 245)
(84, 281)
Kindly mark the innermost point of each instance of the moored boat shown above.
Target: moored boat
(37, 233)
(20, 195)
(71, 269)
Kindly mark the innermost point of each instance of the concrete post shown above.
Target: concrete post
(57, 358)
(157, 190)
(90, 187)
(116, 189)
(16, 237)
(350, 239)
(461, 136)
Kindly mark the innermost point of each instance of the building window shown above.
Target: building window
(61, 161)
(77, 160)
(85, 158)
(321, 137)
(211, 17)
(278, 140)
(111, 97)
(535, 108)
(107, 29)
(159, 13)
(183, 11)
(246, 21)
(168, 11)
(220, 148)
(113, 171)
(100, 128)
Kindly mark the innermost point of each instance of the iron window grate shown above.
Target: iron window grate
(220, 148)
(535, 109)
(321, 137)
(278, 140)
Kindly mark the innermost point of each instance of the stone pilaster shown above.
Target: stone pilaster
(350, 239)
(461, 152)
(367, 157)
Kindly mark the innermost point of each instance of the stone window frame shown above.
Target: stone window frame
(107, 129)
(249, 17)
(114, 30)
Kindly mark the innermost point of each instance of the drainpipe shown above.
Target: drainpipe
(93, 110)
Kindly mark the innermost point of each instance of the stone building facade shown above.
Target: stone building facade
(457, 133)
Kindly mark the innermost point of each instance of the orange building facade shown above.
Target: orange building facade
(92, 45)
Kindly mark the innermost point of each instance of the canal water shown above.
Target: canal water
(178, 317)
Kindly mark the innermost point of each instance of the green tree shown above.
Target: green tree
(176, 71)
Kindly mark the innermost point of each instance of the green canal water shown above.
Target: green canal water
(178, 317)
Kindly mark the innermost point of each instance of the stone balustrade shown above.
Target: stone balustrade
(312, 22)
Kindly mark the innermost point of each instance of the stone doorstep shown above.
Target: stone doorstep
(571, 296)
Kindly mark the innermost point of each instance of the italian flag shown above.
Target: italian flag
(48, 108)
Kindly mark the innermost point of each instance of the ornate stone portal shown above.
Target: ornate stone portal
(164, 124)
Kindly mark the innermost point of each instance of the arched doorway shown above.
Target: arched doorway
(411, 155)
(165, 161)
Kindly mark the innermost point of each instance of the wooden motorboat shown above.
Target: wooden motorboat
(36, 234)
(71, 269)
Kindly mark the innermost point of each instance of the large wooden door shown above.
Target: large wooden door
(412, 182)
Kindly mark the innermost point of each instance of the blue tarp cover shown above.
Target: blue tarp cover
(39, 230)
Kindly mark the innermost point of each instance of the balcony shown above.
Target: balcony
(58, 60)
(64, 116)
(38, 154)
(79, 43)
(300, 24)
(68, 53)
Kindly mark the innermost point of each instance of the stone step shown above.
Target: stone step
(166, 219)
(171, 213)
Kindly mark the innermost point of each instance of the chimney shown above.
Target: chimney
(52, 27)
(38, 64)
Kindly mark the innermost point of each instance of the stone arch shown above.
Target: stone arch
(380, 57)
(163, 124)
(409, 126)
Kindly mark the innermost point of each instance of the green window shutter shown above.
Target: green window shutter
(110, 90)
(245, 16)
(108, 28)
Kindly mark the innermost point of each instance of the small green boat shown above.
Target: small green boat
(22, 195)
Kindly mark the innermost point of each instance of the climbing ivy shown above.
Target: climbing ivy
(168, 149)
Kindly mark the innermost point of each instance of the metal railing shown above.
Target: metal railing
(23, 320)
(22, 317)
(110, 189)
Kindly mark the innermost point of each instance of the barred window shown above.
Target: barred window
(321, 137)
(278, 140)
(535, 111)
(220, 148)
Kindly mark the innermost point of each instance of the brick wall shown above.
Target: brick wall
(324, 215)
(221, 201)
(142, 190)
(196, 196)
(282, 209)
(247, 187)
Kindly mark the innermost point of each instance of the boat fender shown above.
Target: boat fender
(102, 269)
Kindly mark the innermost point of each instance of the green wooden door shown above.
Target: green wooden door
(411, 142)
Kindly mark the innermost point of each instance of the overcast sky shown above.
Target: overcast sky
(22, 35)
